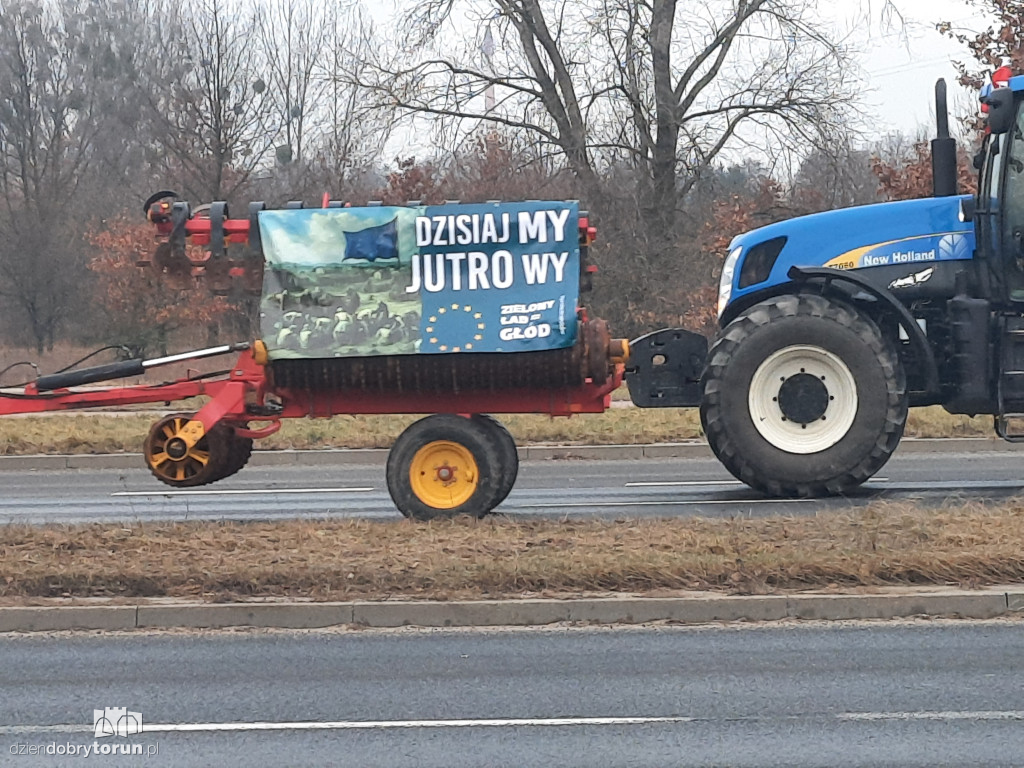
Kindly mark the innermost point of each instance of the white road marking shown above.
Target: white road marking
(357, 725)
(363, 725)
(954, 715)
(555, 505)
(387, 724)
(660, 483)
(252, 492)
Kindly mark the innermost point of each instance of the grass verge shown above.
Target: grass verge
(96, 433)
(883, 544)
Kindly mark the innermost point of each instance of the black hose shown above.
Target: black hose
(121, 347)
(15, 365)
(90, 375)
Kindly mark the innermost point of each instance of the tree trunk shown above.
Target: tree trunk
(661, 209)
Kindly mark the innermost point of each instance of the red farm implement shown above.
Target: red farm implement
(453, 311)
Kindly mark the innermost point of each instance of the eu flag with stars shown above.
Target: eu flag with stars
(373, 243)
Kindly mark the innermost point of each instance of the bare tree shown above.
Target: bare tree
(294, 35)
(663, 86)
(357, 130)
(839, 178)
(62, 68)
(327, 137)
(207, 95)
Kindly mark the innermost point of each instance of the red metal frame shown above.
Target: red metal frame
(199, 228)
(227, 396)
(245, 383)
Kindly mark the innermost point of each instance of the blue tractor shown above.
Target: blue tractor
(832, 325)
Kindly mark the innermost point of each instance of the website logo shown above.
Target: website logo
(115, 721)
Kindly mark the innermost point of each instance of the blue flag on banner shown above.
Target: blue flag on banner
(373, 243)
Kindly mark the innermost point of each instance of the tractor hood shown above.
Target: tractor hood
(887, 234)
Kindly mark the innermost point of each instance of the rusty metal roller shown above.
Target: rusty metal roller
(597, 340)
(458, 372)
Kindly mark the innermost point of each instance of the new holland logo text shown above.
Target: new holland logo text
(899, 257)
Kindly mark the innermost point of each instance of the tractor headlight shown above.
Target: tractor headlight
(725, 282)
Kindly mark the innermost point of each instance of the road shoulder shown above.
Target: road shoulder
(690, 449)
(695, 608)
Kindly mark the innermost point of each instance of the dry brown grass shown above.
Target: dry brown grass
(935, 422)
(96, 433)
(884, 544)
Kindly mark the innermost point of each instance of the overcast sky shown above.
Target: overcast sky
(902, 62)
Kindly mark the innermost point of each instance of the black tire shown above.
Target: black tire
(475, 491)
(239, 452)
(508, 453)
(202, 464)
(794, 325)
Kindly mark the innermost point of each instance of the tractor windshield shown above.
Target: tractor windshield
(1011, 225)
(989, 195)
(1013, 190)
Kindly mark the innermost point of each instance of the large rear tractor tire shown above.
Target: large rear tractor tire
(803, 397)
(444, 466)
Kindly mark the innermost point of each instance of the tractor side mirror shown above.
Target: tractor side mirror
(1000, 110)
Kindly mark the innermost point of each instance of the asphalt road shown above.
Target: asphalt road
(923, 694)
(575, 488)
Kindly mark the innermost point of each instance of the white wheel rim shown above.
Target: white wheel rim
(788, 435)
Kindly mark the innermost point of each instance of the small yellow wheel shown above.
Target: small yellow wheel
(173, 462)
(443, 466)
(443, 474)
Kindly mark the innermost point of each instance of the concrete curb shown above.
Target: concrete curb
(693, 449)
(980, 604)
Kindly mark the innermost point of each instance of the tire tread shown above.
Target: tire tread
(738, 331)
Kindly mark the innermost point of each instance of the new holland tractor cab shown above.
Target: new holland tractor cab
(833, 324)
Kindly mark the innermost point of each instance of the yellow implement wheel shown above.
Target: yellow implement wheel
(171, 460)
(443, 474)
(443, 466)
(508, 468)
